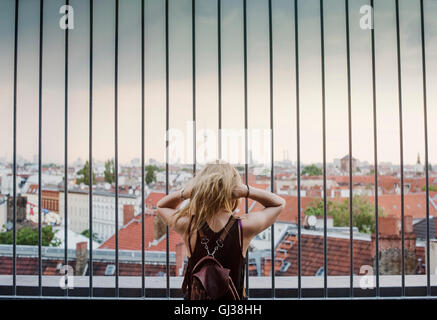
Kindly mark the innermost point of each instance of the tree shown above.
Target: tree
(431, 188)
(85, 173)
(150, 174)
(86, 233)
(363, 212)
(29, 236)
(109, 171)
(312, 170)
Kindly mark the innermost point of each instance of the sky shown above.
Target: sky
(181, 80)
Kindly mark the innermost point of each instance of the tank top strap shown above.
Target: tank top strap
(189, 236)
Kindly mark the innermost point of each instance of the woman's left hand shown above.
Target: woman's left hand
(187, 189)
(239, 191)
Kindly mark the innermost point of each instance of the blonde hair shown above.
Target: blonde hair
(211, 192)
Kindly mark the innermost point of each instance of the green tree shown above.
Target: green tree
(312, 170)
(29, 236)
(363, 212)
(431, 188)
(109, 171)
(85, 173)
(86, 233)
(150, 174)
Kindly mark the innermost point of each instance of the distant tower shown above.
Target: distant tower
(205, 153)
(419, 167)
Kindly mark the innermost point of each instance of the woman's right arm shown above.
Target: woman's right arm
(258, 221)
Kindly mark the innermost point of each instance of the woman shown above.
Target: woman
(214, 194)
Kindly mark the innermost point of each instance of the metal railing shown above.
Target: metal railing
(246, 168)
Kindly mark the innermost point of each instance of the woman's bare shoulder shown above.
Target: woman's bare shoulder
(181, 225)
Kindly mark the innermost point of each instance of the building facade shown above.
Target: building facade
(103, 211)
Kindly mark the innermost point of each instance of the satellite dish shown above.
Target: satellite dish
(312, 220)
(131, 191)
(107, 186)
(137, 192)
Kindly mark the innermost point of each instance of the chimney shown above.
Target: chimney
(21, 203)
(390, 246)
(408, 224)
(433, 255)
(388, 226)
(128, 213)
(81, 257)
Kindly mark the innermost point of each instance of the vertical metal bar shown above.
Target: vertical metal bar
(90, 160)
(41, 21)
(296, 48)
(219, 60)
(193, 46)
(14, 160)
(272, 176)
(325, 246)
(66, 150)
(398, 47)
(375, 145)
(422, 33)
(246, 138)
(143, 275)
(167, 244)
(117, 271)
(350, 149)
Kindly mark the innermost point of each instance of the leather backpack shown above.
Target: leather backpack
(209, 279)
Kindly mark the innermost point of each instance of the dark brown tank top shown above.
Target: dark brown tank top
(230, 255)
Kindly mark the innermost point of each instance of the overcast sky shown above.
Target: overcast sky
(180, 47)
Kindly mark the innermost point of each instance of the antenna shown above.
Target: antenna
(312, 220)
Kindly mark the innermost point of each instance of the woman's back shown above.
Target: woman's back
(229, 255)
(214, 193)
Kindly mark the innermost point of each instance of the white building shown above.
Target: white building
(3, 211)
(103, 211)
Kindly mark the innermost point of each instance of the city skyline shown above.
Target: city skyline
(180, 104)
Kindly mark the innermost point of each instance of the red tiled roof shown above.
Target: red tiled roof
(33, 188)
(129, 237)
(29, 266)
(414, 204)
(153, 198)
(312, 257)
